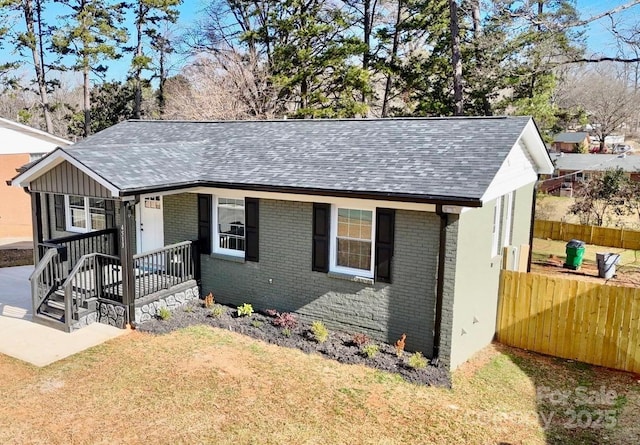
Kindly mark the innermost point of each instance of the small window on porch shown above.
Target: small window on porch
(231, 225)
(77, 213)
(85, 214)
(97, 214)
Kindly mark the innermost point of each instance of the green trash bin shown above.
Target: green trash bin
(575, 254)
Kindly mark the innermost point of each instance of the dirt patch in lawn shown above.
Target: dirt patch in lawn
(625, 276)
(16, 257)
(343, 347)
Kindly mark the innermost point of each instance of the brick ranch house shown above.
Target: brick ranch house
(20, 145)
(381, 226)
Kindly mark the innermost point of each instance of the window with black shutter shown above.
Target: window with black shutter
(58, 203)
(204, 223)
(385, 226)
(321, 237)
(251, 211)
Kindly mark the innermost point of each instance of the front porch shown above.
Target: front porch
(93, 277)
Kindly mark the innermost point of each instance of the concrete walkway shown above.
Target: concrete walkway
(34, 343)
(16, 243)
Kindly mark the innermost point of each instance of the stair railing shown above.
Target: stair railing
(95, 275)
(47, 277)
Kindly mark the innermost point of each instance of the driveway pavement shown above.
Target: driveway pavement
(34, 343)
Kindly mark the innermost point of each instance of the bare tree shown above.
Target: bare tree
(204, 91)
(604, 94)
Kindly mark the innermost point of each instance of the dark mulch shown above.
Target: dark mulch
(16, 257)
(339, 346)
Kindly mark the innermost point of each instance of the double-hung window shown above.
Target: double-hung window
(230, 225)
(85, 214)
(352, 243)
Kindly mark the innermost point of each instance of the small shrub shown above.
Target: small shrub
(216, 312)
(319, 331)
(271, 313)
(164, 313)
(370, 350)
(285, 320)
(400, 345)
(208, 300)
(256, 323)
(188, 309)
(286, 332)
(246, 310)
(417, 361)
(360, 339)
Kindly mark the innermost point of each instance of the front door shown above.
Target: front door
(151, 228)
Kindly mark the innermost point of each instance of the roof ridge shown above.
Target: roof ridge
(323, 120)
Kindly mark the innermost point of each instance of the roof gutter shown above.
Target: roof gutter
(401, 197)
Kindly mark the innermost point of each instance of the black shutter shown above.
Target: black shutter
(385, 223)
(58, 204)
(204, 223)
(321, 234)
(110, 213)
(252, 241)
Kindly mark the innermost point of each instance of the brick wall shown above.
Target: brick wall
(383, 311)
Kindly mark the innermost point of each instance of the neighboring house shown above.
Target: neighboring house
(577, 167)
(20, 145)
(380, 226)
(571, 142)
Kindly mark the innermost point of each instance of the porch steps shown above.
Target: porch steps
(52, 312)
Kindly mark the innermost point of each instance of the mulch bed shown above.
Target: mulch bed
(340, 346)
(16, 257)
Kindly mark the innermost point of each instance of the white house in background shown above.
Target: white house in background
(19, 145)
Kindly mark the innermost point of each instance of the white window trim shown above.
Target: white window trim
(87, 215)
(495, 237)
(508, 219)
(215, 248)
(333, 244)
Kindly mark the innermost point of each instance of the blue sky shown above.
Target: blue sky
(599, 39)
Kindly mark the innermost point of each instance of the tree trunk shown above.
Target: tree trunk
(477, 34)
(456, 60)
(392, 62)
(366, 56)
(137, 68)
(87, 98)
(37, 54)
(163, 79)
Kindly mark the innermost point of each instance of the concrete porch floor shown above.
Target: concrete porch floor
(33, 343)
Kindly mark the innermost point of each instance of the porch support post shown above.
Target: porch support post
(126, 258)
(36, 222)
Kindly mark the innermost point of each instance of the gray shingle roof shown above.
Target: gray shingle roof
(439, 157)
(596, 162)
(571, 137)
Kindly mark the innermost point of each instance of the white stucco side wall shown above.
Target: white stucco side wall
(17, 138)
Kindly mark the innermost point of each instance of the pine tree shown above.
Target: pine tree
(91, 32)
(150, 16)
(32, 39)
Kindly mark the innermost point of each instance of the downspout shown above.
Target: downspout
(444, 222)
(533, 220)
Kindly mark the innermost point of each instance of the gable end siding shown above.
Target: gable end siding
(66, 179)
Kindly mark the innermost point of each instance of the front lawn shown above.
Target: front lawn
(208, 385)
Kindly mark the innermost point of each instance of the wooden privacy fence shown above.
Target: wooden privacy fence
(572, 319)
(601, 236)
